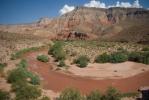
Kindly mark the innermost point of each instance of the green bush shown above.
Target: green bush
(43, 58)
(62, 63)
(118, 57)
(104, 58)
(17, 75)
(35, 80)
(145, 49)
(70, 94)
(112, 94)
(57, 51)
(2, 66)
(4, 95)
(18, 54)
(25, 91)
(21, 74)
(45, 98)
(23, 63)
(145, 58)
(82, 61)
(94, 95)
(134, 56)
(141, 57)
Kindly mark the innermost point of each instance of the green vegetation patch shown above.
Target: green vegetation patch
(103, 58)
(70, 94)
(43, 58)
(2, 66)
(4, 95)
(82, 61)
(94, 95)
(21, 52)
(57, 51)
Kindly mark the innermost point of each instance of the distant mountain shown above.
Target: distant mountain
(113, 24)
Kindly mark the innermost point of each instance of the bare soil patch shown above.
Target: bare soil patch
(108, 70)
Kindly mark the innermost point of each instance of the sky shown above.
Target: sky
(27, 11)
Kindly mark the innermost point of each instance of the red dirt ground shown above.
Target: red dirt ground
(58, 81)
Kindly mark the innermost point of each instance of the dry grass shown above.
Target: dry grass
(12, 42)
(93, 48)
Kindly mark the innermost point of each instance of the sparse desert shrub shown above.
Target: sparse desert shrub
(27, 92)
(4, 95)
(2, 66)
(104, 58)
(35, 80)
(70, 94)
(94, 95)
(61, 63)
(141, 57)
(43, 58)
(112, 94)
(145, 58)
(18, 54)
(17, 75)
(57, 51)
(23, 63)
(118, 57)
(145, 49)
(45, 98)
(82, 61)
(22, 74)
(134, 56)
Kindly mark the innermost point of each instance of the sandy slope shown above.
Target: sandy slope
(109, 71)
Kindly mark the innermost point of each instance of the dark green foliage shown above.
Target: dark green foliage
(21, 74)
(35, 80)
(70, 94)
(145, 49)
(112, 94)
(82, 61)
(23, 63)
(2, 66)
(17, 75)
(141, 57)
(62, 63)
(94, 95)
(134, 56)
(104, 58)
(27, 92)
(145, 58)
(21, 52)
(43, 58)
(57, 51)
(118, 57)
(4, 95)
(45, 98)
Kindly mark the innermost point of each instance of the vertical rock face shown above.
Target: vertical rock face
(107, 24)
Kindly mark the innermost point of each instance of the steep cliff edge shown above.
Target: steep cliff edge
(113, 24)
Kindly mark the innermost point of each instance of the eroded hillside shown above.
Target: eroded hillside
(113, 24)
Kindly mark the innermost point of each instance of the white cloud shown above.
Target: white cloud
(66, 9)
(94, 3)
(136, 4)
(98, 4)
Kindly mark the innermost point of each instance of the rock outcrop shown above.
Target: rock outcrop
(113, 24)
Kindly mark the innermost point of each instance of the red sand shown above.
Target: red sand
(58, 81)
